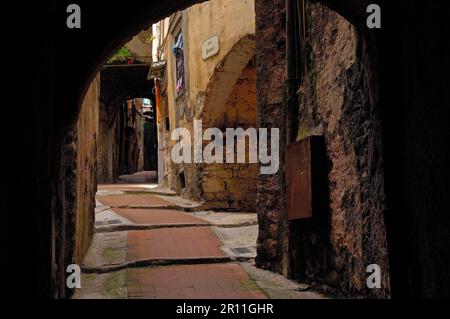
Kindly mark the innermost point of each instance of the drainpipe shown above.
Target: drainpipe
(292, 69)
(158, 101)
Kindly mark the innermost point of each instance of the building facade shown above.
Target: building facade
(209, 75)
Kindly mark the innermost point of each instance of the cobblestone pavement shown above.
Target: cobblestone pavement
(150, 244)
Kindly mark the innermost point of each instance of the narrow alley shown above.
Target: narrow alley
(229, 149)
(150, 243)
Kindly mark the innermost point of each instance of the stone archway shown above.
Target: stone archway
(230, 102)
(57, 108)
(211, 105)
(58, 87)
(68, 61)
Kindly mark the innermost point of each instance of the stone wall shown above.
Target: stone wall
(115, 140)
(233, 186)
(108, 145)
(241, 104)
(102, 145)
(271, 77)
(338, 100)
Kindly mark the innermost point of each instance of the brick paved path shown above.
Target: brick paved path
(213, 278)
(211, 281)
(173, 243)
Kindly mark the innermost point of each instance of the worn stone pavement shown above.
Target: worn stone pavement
(149, 243)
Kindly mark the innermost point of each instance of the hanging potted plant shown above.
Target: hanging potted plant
(122, 56)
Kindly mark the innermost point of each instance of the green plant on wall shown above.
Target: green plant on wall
(121, 56)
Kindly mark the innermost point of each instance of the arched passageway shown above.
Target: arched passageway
(68, 62)
(126, 149)
(139, 211)
(232, 186)
(413, 160)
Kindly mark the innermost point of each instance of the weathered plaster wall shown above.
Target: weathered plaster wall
(86, 169)
(214, 18)
(231, 98)
(74, 225)
(169, 179)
